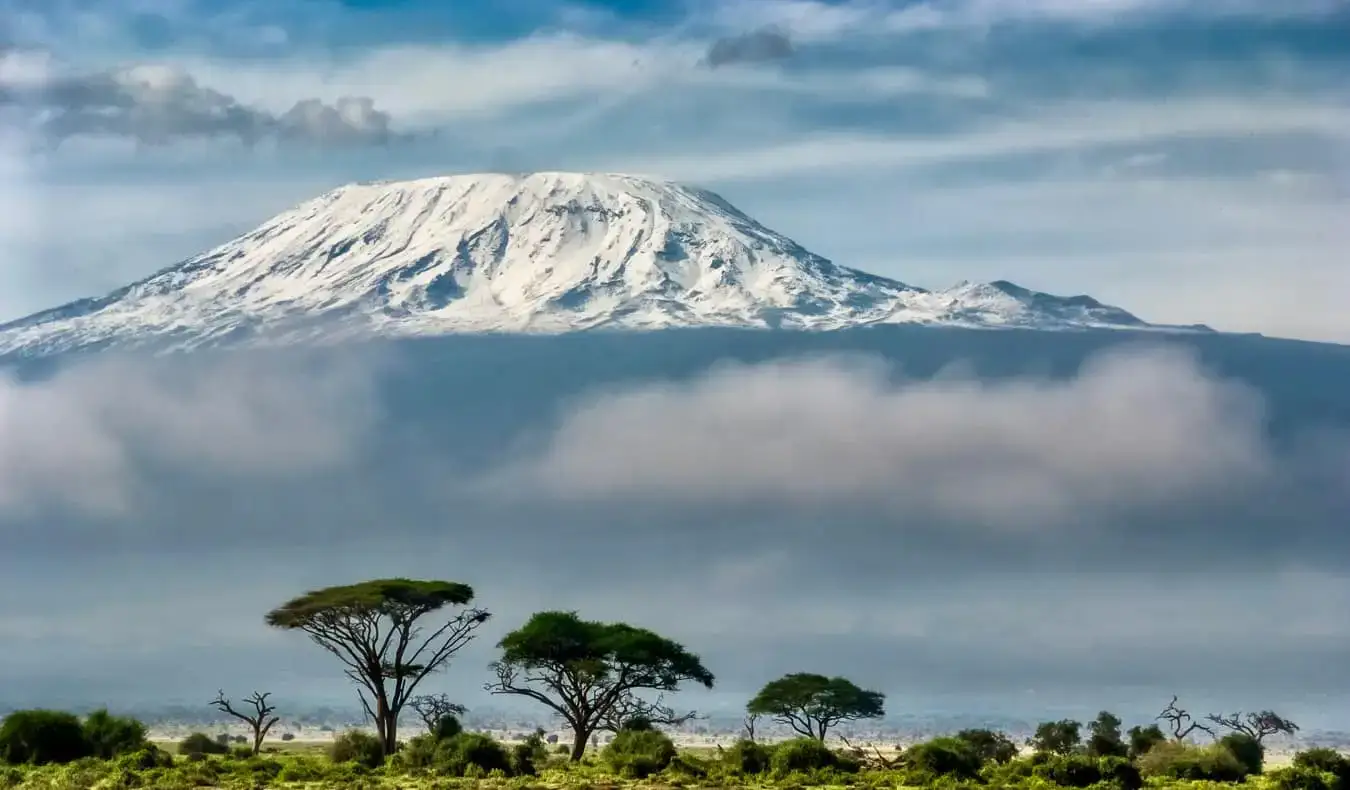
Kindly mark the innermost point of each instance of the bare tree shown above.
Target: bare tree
(1180, 721)
(629, 707)
(431, 708)
(260, 720)
(1255, 725)
(748, 724)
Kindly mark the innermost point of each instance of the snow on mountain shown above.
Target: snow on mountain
(540, 253)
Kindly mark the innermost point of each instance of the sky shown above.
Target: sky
(1103, 538)
(1186, 160)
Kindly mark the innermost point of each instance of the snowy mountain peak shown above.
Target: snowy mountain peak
(541, 252)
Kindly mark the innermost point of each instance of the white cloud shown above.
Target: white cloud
(82, 439)
(1133, 429)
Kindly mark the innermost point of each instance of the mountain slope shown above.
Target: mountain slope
(546, 252)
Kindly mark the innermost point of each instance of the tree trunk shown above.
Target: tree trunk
(257, 740)
(579, 739)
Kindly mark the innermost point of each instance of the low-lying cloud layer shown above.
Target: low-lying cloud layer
(85, 439)
(1137, 428)
(951, 535)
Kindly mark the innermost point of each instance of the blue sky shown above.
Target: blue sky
(1186, 160)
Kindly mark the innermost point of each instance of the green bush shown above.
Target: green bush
(801, 754)
(1121, 773)
(1304, 777)
(747, 758)
(1325, 760)
(447, 727)
(991, 746)
(356, 746)
(954, 757)
(200, 743)
(528, 755)
(1174, 760)
(146, 758)
(1143, 739)
(470, 753)
(1069, 770)
(110, 736)
(637, 754)
(1247, 750)
(40, 737)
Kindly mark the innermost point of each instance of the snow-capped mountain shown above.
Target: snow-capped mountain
(540, 253)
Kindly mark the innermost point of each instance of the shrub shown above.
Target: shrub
(1174, 760)
(110, 736)
(1057, 737)
(1143, 739)
(356, 746)
(801, 754)
(470, 753)
(199, 743)
(146, 758)
(447, 727)
(1120, 772)
(991, 746)
(1304, 777)
(954, 757)
(528, 755)
(288, 736)
(747, 758)
(1247, 750)
(637, 754)
(1070, 770)
(1325, 760)
(42, 736)
(418, 753)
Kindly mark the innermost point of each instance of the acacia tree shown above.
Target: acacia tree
(260, 720)
(432, 709)
(1255, 725)
(630, 708)
(1180, 721)
(587, 671)
(375, 629)
(812, 704)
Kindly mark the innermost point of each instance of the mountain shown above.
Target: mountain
(538, 253)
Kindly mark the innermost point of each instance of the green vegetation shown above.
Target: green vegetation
(592, 675)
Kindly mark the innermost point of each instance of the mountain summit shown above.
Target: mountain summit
(539, 253)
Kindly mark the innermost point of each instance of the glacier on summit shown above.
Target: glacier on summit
(533, 253)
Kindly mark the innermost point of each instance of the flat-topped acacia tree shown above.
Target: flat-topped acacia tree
(811, 704)
(375, 629)
(587, 671)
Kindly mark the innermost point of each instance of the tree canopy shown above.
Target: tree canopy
(374, 628)
(811, 704)
(589, 672)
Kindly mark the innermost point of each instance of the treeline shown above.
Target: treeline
(391, 634)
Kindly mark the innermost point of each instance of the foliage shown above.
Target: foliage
(1303, 777)
(1180, 760)
(1143, 739)
(803, 754)
(746, 758)
(584, 670)
(447, 727)
(1325, 760)
(956, 757)
(471, 752)
(201, 743)
(43, 736)
(991, 746)
(811, 704)
(637, 754)
(1057, 737)
(374, 629)
(1247, 749)
(529, 755)
(1104, 739)
(355, 746)
(110, 736)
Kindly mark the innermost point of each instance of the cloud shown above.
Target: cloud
(758, 46)
(1134, 429)
(156, 104)
(88, 439)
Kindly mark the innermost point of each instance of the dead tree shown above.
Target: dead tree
(875, 761)
(1181, 722)
(1255, 725)
(631, 707)
(748, 724)
(431, 708)
(260, 720)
